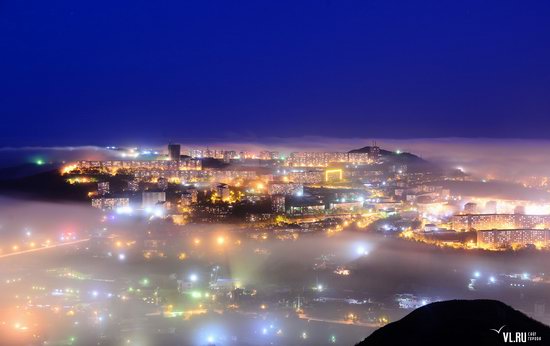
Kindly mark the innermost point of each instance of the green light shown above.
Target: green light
(333, 339)
(39, 162)
(145, 282)
(196, 294)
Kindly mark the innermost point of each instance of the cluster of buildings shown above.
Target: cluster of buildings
(496, 231)
(220, 185)
(300, 183)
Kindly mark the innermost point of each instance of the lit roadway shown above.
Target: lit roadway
(356, 323)
(22, 252)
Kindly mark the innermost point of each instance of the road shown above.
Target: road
(357, 323)
(23, 252)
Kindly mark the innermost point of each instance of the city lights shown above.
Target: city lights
(361, 250)
(275, 173)
(227, 245)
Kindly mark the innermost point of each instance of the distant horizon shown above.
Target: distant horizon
(504, 158)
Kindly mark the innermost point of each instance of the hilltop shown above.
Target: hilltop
(458, 322)
(414, 162)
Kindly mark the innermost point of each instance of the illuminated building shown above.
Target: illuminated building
(306, 176)
(324, 159)
(278, 203)
(174, 152)
(110, 203)
(285, 189)
(189, 197)
(103, 188)
(516, 237)
(196, 153)
(359, 158)
(162, 183)
(305, 207)
(198, 175)
(247, 155)
(374, 152)
(229, 155)
(470, 208)
(222, 190)
(135, 166)
(399, 169)
(499, 221)
(360, 173)
(333, 175)
(491, 207)
(348, 206)
(430, 227)
(150, 199)
(315, 159)
(225, 155)
(133, 185)
(269, 155)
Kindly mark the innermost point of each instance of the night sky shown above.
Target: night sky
(114, 72)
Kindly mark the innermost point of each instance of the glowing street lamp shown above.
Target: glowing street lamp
(361, 251)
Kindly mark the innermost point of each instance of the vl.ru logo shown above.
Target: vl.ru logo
(517, 337)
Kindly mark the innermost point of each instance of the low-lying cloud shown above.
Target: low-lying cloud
(494, 158)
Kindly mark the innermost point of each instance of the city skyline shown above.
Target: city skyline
(282, 173)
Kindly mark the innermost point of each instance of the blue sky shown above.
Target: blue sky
(115, 72)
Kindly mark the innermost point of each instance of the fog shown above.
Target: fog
(381, 266)
(509, 159)
(488, 157)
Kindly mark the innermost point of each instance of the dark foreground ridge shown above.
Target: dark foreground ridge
(46, 186)
(462, 322)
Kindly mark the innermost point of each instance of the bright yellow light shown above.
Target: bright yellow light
(330, 172)
(68, 169)
(220, 240)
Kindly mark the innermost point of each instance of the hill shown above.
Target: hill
(25, 170)
(48, 185)
(414, 163)
(460, 322)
